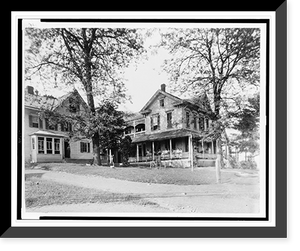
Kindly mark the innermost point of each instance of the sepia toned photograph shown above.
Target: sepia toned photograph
(144, 119)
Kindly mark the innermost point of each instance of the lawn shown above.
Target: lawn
(39, 192)
(178, 176)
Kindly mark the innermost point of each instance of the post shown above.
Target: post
(212, 147)
(109, 157)
(202, 149)
(152, 150)
(170, 148)
(218, 162)
(191, 152)
(137, 152)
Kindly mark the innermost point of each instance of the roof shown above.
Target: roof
(179, 133)
(47, 133)
(48, 102)
(200, 102)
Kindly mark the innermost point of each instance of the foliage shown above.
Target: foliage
(249, 164)
(125, 148)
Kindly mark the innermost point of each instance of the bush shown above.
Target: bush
(249, 164)
(231, 163)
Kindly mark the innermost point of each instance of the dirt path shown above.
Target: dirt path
(213, 198)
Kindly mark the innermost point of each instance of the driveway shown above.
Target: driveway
(213, 198)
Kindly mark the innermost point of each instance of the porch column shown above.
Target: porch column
(53, 151)
(170, 148)
(212, 147)
(109, 157)
(45, 146)
(137, 152)
(152, 150)
(191, 152)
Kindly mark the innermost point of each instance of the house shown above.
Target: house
(51, 143)
(173, 128)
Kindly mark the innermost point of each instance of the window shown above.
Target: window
(169, 120)
(187, 115)
(207, 123)
(40, 144)
(49, 145)
(73, 105)
(34, 121)
(201, 123)
(84, 147)
(155, 122)
(66, 127)
(57, 146)
(195, 121)
(162, 102)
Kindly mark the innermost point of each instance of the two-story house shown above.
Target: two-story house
(173, 127)
(51, 143)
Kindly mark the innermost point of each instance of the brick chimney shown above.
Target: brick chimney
(30, 89)
(163, 87)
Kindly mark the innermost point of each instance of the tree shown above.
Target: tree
(248, 125)
(126, 148)
(214, 62)
(92, 57)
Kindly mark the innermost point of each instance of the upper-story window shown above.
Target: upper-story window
(169, 119)
(66, 127)
(201, 123)
(162, 102)
(155, 122)
(73, 105)
(187, 117)
(35, 121)
(195, 121)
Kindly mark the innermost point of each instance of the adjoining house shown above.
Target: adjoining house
(173, 128)
(46, 143)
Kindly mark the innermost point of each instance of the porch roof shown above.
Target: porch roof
(179, 133)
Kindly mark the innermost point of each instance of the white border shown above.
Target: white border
(33, 18)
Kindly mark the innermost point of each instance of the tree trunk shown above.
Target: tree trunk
(96, 150)
(219, 161)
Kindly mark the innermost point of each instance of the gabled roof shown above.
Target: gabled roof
(156, 94)
(201, 102)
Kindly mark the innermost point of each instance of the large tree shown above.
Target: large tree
(220, 62)
(92, 57)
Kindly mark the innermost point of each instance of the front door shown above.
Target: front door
(67, 149)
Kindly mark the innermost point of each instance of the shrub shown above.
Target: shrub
(249, 164)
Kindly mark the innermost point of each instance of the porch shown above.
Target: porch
(177, 148)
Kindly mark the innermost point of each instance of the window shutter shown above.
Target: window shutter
(151, 123)
(46, 124)
(30, 120)
(40, 123)
(88, 147)
(81, 147)
(158, 122)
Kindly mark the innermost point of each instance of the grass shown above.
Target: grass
(39, 192)
(178, 176)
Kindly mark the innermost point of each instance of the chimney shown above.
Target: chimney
(163, 87)
(30, 90)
